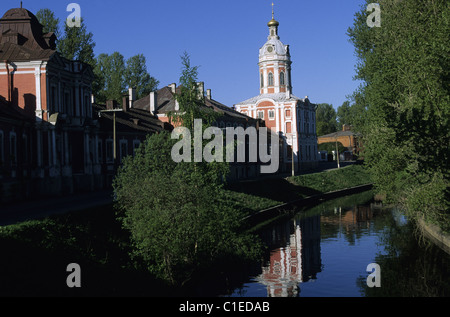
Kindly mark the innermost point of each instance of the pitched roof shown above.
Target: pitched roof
(338, 134)
(165, 102)
(22, 39)
(278, 97)
(131, 120)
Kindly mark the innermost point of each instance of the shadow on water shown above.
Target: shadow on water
(321, 251)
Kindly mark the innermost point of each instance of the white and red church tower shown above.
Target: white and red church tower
(293, 118)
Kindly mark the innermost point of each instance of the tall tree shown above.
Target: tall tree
(137, 76)
(110, 69)
(189, 98)
(49, 22)
(185, 224)
(344, 114)
(325, 119)
(405, 67)
(77, 44)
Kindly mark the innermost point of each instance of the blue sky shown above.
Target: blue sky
(223, 38)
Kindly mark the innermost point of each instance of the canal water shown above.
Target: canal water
(325, 252)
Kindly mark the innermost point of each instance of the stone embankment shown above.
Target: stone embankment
(435, 234)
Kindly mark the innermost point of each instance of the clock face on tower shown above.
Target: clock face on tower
(270, 49)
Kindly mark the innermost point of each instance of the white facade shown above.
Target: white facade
(291, 117)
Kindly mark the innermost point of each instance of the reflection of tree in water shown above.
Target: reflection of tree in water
(410, 266)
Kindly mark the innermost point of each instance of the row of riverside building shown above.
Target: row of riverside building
(56, 140)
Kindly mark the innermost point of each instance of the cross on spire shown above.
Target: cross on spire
(272, 11)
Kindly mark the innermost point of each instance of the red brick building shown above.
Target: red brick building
(346, 137)
(51, 94)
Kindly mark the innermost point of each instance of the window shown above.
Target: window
(2, 151)
(123, 150)
(109, 151)
(288, 127)
(262, 80)
(67, 107)
(260, 114)
(25, 148)
(136, 144)
(54, 99)
(282, 80)
(13, 148)
(100, 151)
(271, 114)
(288, 113)
(270, 79)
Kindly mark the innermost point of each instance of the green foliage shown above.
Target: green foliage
(405, 67)
(190, 99)
(77, 44)
(335, 179)
(49, 22)
(110, 70)
(325, 119)
(177, 213)
(137, 76)
(115, 76)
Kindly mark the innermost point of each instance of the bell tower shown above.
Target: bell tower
(274, 63)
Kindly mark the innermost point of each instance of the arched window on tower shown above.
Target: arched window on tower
(262, 80)
(282, 80)
(270, 79)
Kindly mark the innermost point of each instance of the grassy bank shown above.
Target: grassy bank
(261, 194)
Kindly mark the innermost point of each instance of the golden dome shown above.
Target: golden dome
(273, 22)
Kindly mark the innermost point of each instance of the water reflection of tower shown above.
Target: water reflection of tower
(295, 256)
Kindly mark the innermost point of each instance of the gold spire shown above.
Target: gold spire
(273, 22)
